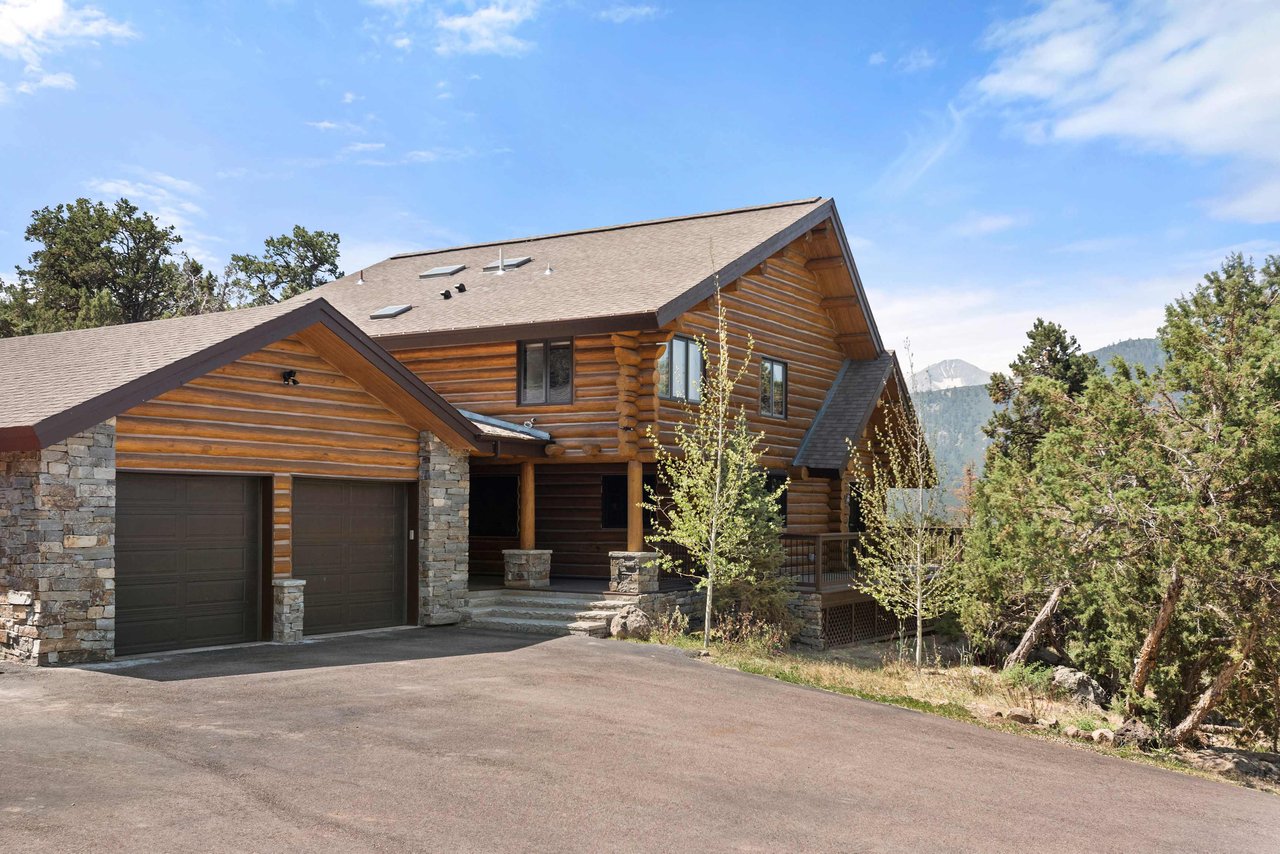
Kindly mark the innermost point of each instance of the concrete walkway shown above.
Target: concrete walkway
(448, 739)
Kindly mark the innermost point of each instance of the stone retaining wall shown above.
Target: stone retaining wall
(57, 550)
(807, 607)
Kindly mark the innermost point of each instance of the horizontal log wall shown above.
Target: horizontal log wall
(242, 418)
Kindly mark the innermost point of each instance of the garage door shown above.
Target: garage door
(187, 561)
(350, 543)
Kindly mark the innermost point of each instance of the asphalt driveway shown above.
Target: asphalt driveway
(448, 739)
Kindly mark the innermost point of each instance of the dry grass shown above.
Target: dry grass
(948, 685)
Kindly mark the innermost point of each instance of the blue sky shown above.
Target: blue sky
(1075, 159)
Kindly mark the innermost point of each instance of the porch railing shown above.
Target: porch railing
(821, 562)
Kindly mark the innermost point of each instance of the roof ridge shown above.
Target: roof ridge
(618, 227)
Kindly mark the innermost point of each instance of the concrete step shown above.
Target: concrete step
(516, 612)
(594, 628)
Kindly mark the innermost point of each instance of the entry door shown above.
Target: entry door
(350, 542)
(188, 561)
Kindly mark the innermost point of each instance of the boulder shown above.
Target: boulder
(1080, 686)
(1134, 733)
(631, 622)
(1020, 716)
(1104, 736)
(1045, 655)
(1071, 732)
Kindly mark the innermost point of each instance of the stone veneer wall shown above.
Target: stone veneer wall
(444, 484)
(57, 550)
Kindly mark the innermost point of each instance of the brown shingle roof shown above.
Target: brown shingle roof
(639, 274)
(58, 384)
(845, 413)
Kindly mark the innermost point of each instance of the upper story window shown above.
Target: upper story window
(680, 370)
(773, 388)
(546, 372)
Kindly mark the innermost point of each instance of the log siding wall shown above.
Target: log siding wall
(242, 418)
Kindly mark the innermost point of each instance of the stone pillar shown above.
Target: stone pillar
(633, 572)
(287, 609)
(444, 487)
(57, 550)
(807, 608)
(527, 568)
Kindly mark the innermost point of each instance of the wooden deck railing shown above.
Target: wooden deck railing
(820, 562)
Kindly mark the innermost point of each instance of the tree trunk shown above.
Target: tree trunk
(1151, 645)
(706, 619)
(1036, 630)
(1183, 731)
(919, 640)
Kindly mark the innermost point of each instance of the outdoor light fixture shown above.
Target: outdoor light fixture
(290, 377)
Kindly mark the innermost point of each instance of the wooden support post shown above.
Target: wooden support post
(635, 513)
(527, 531)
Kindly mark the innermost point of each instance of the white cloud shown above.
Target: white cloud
(327, 125)
(33, 30)
(402, 42)
(350, 97)
(924, 149)
(621, 14)
(358, 147)
(171, 200)
(980, 225)
(919, 59)
(488, 29)
(1194, 78)
(877, 58)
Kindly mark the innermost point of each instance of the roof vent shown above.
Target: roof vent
(446, 294)
(507, 264)
(389, 311)
(446, 270)
(460, 288)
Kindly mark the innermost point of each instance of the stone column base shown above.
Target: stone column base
(633, 572)
(287, 609)
(527, 568)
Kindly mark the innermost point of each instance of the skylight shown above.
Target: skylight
(446, 270)
(389, 311)
(507, 264)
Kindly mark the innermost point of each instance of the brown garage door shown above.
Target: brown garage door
(349, 544)
(187, 561)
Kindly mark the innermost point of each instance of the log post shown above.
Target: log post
(635, 513)
(527, 530)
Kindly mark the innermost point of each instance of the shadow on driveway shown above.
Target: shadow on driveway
(345, 650)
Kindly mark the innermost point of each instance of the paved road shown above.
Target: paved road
(444, 739)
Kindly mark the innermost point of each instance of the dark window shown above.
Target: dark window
(613, 500)
(774, 481)
(680, 370)
(546, 372)
(773, 388)
(856, 525)
(495, 505)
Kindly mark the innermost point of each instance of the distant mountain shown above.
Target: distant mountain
(949, 373)
(1135, 351)
(953, 413)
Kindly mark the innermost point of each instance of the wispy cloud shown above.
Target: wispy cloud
(981, 225)
(1192, 78)
(925, 148)
(33, 30)
(919, 59)
(170, 199)
(488, 29)
(621, 14)
(328, 125)
(877, 58)
(350, 97)
(362, 147)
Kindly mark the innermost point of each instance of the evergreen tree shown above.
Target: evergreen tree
(290, 264)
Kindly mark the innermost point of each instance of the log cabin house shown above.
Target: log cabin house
(447, 435)
(589, 337)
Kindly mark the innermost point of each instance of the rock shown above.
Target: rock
(1080, 686)
(1047, 656)
(1104, 736)
(1020, 716)
(1071, 732)
(1134, 733)
(631, 622)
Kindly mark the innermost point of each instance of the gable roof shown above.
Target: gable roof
(845, 413)
(59, 384)
(638, 275)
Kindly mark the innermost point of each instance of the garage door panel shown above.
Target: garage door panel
(350, 541)
(187, 561)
